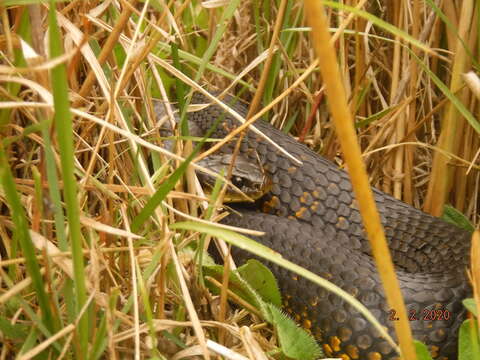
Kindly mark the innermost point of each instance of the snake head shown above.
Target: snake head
(247, 176)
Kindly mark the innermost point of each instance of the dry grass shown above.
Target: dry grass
(143, 290)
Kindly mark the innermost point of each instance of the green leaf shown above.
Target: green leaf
(220, 28)
(367, 121)
(462, 109)
(378, 22)
(101, 333)
(64, 132)
(471, 306)
(184, 55)
(13, 331)
(295, 342)
(161, 193)
(262, 281)
(22, 235)
(30, 341)
(240, 287)
(468, 346)
(263, 251)
(170, 183)
(422, 351)
(453, 216)
(452, 29)
(181, 90)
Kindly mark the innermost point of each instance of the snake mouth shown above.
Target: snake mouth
(247, 176)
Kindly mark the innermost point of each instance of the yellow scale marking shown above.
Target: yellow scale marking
(374, 356)
(335, 343)
(300, 212)
(352, 351)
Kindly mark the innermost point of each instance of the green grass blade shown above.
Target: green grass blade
(380, 23)
(262, 251)
(181, 90)
(54, 189)
(453, 29)
(22, 235)
(63, 124)
(160, 194)
(184, 55)
(462, 109)
(223, 23)
(169, 184)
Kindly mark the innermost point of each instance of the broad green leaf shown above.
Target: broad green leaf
(471, 306)
(468, 346)
(452, 215)
(422, 351)
(295, 342)
(263, 251)
(262, 281)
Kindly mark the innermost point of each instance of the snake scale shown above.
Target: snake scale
(310, 217)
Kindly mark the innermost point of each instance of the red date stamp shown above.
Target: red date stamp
(425, 315)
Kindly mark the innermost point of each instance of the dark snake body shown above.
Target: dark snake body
(310, 217)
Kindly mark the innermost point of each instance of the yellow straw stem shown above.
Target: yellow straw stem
(440, 178)
(337, 101)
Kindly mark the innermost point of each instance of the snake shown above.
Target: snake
(309, 214)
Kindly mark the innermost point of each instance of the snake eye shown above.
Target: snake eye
(239, 182)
